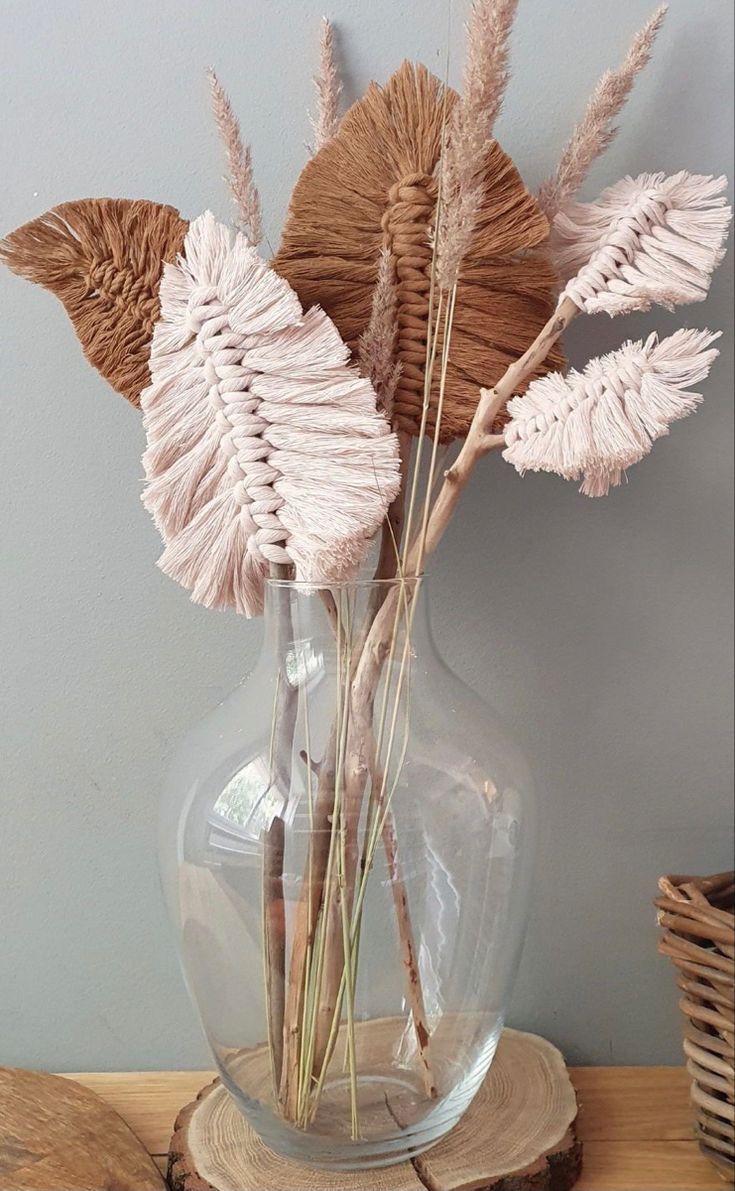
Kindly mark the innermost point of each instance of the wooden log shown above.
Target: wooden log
(518, 1135)
(56, 1135)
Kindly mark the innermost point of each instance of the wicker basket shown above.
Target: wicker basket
(697, 917)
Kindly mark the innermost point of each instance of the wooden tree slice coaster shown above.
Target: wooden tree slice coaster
(56, 1135)
(518, 1135)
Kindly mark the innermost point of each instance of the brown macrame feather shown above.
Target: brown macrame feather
(103, 259)
(374, 184)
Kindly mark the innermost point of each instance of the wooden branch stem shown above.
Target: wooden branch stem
(274, 911)
(480, 438)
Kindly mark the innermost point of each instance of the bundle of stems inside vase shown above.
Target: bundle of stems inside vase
(311, 1000)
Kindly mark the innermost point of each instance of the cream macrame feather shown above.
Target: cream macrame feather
(592, 425)
(264, 446)
(650, 239)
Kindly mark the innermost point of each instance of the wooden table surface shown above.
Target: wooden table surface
(635, 1122)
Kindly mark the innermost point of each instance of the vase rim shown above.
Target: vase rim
(307, 585)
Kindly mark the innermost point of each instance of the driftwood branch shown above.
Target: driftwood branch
(274, 911)
(481, 437)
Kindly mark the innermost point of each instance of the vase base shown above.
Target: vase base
(519, 1127)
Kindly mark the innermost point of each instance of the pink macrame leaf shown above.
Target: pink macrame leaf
(264, 445)
(650, 239)
(592, 425)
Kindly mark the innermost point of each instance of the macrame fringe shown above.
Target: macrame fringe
(650, 239)
(592, 425)
(263, 445)
(103, 259)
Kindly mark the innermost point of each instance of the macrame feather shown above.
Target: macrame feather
(264, 446)
(374, 185)
(592, 425)
(650, 239)
(103, 259)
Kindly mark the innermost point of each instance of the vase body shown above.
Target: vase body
(346, 846)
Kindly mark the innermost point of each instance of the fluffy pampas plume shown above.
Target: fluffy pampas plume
(325, 121)
(378, 343)
(592, 425)
(595, 131)
(240, 164)
(650, 239)
(468, 133)
(264, 446)
(103, 259)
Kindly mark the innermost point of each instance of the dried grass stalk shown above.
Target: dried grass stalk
(595, 132)
(379, 341)
(469, 129)
(239, 160)
(373, 186)
(103, 259)
(328, 89)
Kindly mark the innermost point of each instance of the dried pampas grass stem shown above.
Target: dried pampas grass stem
(379, 341)
(325, 121)
(240, 163)
(469, 130)
(595, 131)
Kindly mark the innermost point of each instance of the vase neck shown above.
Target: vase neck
(337, 618)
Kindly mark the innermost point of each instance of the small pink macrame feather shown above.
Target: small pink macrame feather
(264, 445)
(650, 239)
(592, 425)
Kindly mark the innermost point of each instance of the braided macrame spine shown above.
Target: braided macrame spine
(405, 225)
(264, 447)
(592, 425)
(650, 239)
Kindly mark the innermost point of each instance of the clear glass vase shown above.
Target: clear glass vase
(345, 848)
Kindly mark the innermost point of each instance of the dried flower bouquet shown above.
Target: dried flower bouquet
(297, 412)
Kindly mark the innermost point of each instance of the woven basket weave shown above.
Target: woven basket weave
(697, 917)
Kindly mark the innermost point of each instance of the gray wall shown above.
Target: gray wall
(601, 629)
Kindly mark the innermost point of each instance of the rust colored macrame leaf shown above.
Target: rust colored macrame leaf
(374, 184)
(103, 258)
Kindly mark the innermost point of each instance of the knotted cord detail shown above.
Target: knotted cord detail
(592, 425)
(220, 352)
(650, 239)
(619, 247)
(122, 286)
(406, 225)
